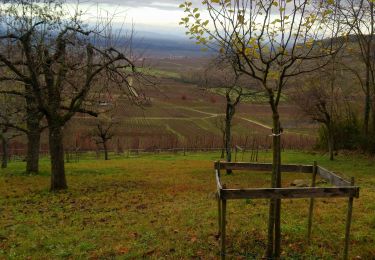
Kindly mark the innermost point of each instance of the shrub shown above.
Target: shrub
(346, 135)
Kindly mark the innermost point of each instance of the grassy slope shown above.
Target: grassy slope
(163, 207)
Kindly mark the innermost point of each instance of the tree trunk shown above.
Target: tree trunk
(33, 132)
(58, 179)
(228, 135)
(33, 145)
(4, 161)
(274, 232)
(367, 80)
(367, 108)
(330, 141)
(228, 145)
(105, 150)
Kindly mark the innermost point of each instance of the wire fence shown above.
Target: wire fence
(251, 154)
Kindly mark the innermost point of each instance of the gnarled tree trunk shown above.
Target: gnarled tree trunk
(33, 145)
(105, 150)
(33, 132)
(58, 179)
(4, 160)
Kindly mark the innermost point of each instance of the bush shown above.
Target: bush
(367, 144)
(346, 135)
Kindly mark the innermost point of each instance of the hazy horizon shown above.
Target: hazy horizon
(159, 17)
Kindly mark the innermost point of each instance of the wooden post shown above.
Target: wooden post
(223, 222)
(348, 223)
(311, 208)
(223, 209)
(219, 212)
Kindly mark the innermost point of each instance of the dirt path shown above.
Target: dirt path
(212, 115)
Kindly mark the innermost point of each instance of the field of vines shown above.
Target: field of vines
(183, 115)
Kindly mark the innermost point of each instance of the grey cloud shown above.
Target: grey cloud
(159, 4)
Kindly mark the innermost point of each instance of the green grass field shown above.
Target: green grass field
(163, 207)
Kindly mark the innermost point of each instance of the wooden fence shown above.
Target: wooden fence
(342, 188)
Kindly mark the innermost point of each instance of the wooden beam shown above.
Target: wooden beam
(290, 193)
(311, 207)
(219, 212)
(222, 229)
(262, 167)
(348, 224)
(332, 178)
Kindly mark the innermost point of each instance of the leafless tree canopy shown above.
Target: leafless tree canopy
(64, 62)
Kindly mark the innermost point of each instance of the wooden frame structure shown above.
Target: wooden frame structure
(342, 189)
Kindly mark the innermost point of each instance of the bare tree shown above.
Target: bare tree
(9, 110)
(270, 41)
(220, 77)
(319, 102)
(103, 132)
(31, 124)
(360, 17)
(64, 62)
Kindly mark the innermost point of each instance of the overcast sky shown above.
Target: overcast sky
(158, 16)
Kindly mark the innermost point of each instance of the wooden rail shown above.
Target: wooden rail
(262, 167)
(342, 189)
(290, 193)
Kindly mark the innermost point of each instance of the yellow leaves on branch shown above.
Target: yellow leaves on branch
(273, 74)
(309, 43)
(185, 5)
(241, 19)
(252, 49)
(194, 24)
(252, 53)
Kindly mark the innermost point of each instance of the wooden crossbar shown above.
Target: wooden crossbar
(290, 193)
(333, 178)
(262, 167)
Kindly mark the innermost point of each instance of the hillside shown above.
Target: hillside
(181, 115)
(163, 206)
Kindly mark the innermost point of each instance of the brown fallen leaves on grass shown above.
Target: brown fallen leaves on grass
(163, 207)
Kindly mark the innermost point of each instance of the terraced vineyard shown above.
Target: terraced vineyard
(182, 115)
